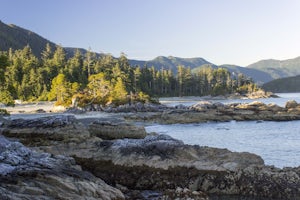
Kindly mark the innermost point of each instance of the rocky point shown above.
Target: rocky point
(155, 166)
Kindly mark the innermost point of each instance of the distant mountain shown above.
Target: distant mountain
(289, 84)
(12, 36)
(171, 62)
(15, 37)
(278, 68)
(258, 76)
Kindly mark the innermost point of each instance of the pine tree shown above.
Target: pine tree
(119, 93)
(60, 90)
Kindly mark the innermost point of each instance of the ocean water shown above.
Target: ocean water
(278, 143)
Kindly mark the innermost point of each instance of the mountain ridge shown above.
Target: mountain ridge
(278, 68)
(15, 37)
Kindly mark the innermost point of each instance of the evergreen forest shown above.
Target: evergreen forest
(94, 79)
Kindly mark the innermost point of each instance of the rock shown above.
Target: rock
(40, 111)
(59, 109)
(45, 130)
(161, 163)
(275, 108)
(202, 106)
(26, 174)
(137, 107)
(206, 111)
(253, 106)
(109, 130)
(291, 104)
(181, 107)
(75, 110)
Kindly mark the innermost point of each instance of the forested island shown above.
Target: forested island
(103, 79)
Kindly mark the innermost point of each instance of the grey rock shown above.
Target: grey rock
(45, 130)
(161, 163)
(291, 104)
(26, 174)
(109, 130)
(207, 111)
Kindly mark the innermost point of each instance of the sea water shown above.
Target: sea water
(278, 143)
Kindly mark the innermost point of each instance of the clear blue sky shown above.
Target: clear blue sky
(222, 31)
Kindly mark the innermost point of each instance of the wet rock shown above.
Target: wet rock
(26, 174)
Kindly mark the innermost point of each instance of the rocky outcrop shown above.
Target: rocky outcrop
(161, 163)
(136, 107)
(259, 94)
(206, 111)
(26, 174)
(46, 130)
(170, 169)
(56, 129)
(110, 130)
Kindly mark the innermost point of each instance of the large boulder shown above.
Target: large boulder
(26, 174)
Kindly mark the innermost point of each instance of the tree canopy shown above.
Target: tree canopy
(104, 79)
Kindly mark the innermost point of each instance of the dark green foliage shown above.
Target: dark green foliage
(4, 112)
(6, 98)
(289, 84)
(104, 79)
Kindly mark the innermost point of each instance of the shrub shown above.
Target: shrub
(4, 112)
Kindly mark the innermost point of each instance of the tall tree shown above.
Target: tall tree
(60, 90)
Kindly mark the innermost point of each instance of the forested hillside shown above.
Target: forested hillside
(278, 68)
(103, 79)
(14, 37)
(289, 84)
(171, 62)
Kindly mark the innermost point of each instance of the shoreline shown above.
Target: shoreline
(157, 163)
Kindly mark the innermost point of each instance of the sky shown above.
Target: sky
(237, 32)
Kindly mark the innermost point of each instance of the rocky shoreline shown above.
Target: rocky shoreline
(207, 111)
(136, 165)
